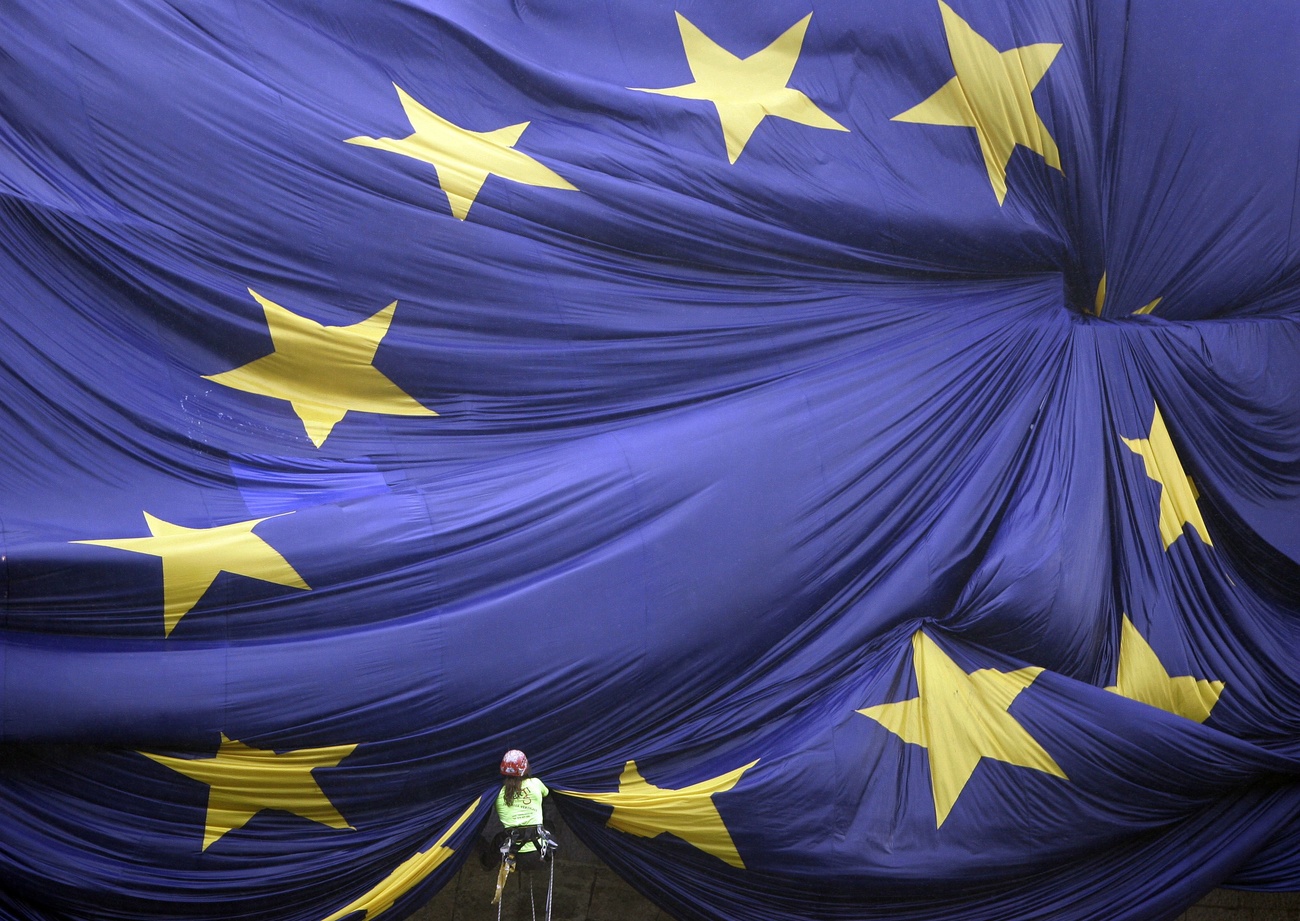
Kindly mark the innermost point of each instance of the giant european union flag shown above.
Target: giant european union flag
(853, 448)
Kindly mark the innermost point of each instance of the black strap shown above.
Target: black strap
(511, 840)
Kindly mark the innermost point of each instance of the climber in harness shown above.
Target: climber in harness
(524, 842)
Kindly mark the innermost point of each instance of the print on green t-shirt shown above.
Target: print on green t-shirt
(526, 809)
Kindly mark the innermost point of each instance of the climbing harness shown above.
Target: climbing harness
(509, 842)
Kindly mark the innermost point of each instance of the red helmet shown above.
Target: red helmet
(514, 763)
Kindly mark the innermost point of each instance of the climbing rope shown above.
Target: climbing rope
(550, 889)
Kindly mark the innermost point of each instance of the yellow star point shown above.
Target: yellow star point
(688, 813)
(1100, 300)
(992, 92)
(463, 159)
(407, 874)
(746, 90)
(324, 372)
(1143, 677)
(961, 719)
(193, 557)
(1178, 493)
(244, 781)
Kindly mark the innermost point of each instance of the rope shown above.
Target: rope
(550, 888)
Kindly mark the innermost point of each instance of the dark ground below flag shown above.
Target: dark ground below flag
(592, 892)
(583, 892)
(587, 890)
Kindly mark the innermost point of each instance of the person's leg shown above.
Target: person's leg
(529, 861)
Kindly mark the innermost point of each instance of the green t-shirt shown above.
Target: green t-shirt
(527, 807)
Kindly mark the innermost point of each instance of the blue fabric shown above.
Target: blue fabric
(687, 459)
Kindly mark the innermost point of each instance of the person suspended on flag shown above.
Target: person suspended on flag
(524, 843)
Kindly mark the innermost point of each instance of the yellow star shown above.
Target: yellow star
(961, 719)
(641, 808)
(462, 158)
(192, 558)
(409, 872)
(244, 781)
(323, 371)
(746, 90)
(1142, 676)
(1100, 300)
(992, 93)
(1178, 493)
